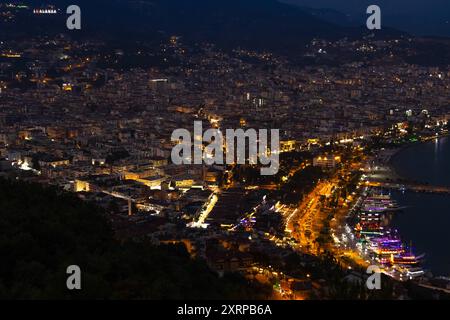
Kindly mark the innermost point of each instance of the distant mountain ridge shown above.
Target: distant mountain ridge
(252, 24)
(334, 17)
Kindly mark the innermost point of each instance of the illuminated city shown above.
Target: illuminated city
(178, 150)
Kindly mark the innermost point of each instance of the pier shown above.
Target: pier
(410, 186)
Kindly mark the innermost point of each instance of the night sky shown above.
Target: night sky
(422, 17)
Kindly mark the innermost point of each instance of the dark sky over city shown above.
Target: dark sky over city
(423, 17)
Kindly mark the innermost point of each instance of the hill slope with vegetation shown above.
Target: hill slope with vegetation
(43, 231)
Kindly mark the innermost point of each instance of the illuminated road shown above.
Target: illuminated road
(303, 222)
(205, 211)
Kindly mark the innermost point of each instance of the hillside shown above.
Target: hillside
(250, 24)
(42, 232)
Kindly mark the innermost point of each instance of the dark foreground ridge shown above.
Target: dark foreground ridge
(44, 231)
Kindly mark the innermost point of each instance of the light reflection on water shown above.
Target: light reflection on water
(426, 221)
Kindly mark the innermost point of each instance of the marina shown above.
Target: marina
(376, 242)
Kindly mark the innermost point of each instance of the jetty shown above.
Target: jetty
(410, 186)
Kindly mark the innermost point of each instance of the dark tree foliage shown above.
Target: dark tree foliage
(43, 231)
(301, 184)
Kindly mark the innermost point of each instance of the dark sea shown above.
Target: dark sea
(426, 221)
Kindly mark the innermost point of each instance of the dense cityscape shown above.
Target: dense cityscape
(89, 118)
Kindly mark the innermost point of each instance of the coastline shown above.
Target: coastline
(390, 162)
(430, 244)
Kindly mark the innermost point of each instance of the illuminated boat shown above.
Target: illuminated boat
(407, 259)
